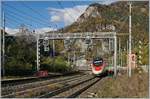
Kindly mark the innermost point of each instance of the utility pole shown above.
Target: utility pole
(115, 55)
(119, 58)
(74, 56)
(109, 44)
(130, 47)
(127, 62)
(37, 51)
(53, 46)
(1, 43)
(3, 47)
(68, 58)
(121, 64)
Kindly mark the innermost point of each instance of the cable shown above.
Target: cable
(14, 17)
(29, 17)
(75, 5)
(20, 17)
(14, 20)
(126, 18)
(37, 12)
(17, 23)
(59, 3)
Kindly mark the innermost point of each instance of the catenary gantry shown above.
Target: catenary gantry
(83, 35)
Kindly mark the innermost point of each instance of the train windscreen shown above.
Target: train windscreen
(98, 62)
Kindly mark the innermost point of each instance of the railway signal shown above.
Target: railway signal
(46, 44)
(88, 40)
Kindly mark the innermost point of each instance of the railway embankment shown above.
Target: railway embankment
(121, 87)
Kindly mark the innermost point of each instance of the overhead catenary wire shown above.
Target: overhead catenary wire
(38, 13)
(75, 5)
(13, 21)
(59, 3)
(23, 14)
(124, 22)
(13, 17)
(16, 21)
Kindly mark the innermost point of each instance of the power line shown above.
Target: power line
(15, 21)
(20, 17)
(12, 21)
(12, 16)
(37, 12)
(126, 18)
(59, 3)
(29, 17)
(76, 5)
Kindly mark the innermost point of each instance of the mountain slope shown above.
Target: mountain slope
(99, 17)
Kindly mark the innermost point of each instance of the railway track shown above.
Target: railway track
(19, 90)
(65, 87)
(13, 82)
(72, 90)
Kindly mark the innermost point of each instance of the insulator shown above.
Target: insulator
(140, 52)
(140, 57)
(140, 47)
(140, 61)
(140, 42)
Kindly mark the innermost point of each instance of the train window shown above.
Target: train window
(98, 62)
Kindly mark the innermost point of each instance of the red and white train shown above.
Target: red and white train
(99, 67)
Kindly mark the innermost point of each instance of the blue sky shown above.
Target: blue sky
(43, 15)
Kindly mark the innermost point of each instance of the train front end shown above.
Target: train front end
(97, 66)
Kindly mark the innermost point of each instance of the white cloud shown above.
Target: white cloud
(11, 30)
(55, 18)
(45, 29)
(67, 15)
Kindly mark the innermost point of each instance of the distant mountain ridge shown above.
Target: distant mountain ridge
(97, 16)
